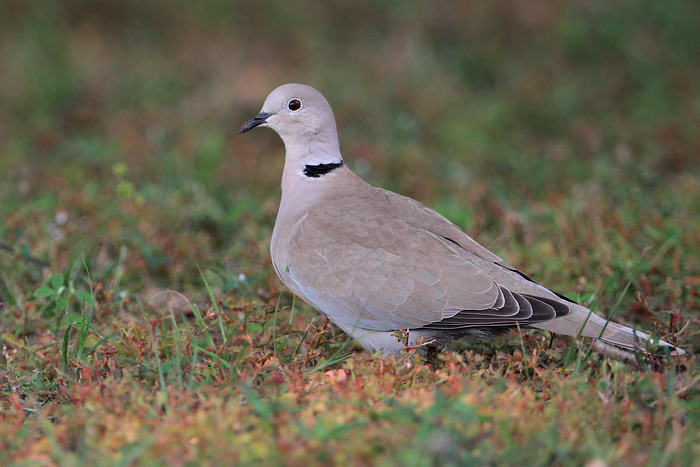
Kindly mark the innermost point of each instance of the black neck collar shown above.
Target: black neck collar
(315, 171)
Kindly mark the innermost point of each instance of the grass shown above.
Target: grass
(140, 317)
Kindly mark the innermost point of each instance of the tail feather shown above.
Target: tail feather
(582, 321)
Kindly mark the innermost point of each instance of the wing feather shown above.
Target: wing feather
(376, 266)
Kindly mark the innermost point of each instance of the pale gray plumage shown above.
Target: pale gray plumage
(375, 261)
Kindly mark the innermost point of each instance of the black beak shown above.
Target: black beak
(258, 120)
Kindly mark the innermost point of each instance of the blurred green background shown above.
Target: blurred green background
(563, 135)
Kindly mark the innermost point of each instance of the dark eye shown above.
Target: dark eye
(294, 105)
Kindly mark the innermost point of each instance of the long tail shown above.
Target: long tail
(595, 325)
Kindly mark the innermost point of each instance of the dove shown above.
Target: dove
(376, 262)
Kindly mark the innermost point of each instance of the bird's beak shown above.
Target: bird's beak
(258, 120)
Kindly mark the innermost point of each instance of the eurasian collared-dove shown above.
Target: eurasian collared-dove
(376, 262)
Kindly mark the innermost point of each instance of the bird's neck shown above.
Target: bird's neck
(309, 179)
(310, 163)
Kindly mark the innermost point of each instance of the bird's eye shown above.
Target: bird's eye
(294, 105)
